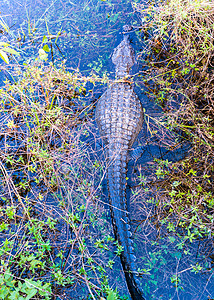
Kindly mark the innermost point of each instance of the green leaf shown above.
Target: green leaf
(4, 25)
(7, 276)
(178, 255)
(172, 239)
(14, 295)
(111, 296)
(30, 283)
(4, 56)
(42, 54)
(23, 287)
(35, 263)
(58, 34)
(4, 44)
(11, 51)
(31, 293)
(46, 48)
(1, 280)
(44, 40)
(4, 292)
(46, 290)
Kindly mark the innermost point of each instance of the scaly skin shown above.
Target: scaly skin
(119, 117)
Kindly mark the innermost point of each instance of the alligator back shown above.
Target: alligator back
(119, 117)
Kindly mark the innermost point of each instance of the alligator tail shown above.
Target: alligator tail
(116, 176)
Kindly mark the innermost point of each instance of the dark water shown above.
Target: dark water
(84, 34)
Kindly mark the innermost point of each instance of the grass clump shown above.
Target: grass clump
(180, 78)
(54, 238)
(178, 75)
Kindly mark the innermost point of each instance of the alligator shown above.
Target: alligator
(119, 117)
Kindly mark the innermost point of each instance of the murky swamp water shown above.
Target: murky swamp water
(84, 34)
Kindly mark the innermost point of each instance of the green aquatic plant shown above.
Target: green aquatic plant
(178, 76)
(51, 189)
(181, 65)
(5, 48)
